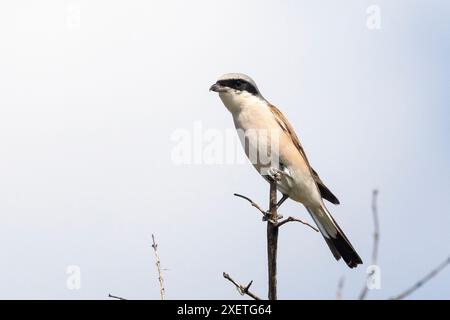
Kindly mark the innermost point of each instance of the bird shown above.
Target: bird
(259, 124)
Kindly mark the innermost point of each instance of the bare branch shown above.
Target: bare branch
(376, 241)
(424, 280)
(251, 202)
(158, 267)
(376, 223)
(292, 219)
(272, 241)
(340, 288)
(273, 225)
(280, 223)
(116, 297)
(242, 290)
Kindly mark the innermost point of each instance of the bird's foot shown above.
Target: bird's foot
(267, 216)
(275, 174)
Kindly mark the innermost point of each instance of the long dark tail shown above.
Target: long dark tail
(339, 245)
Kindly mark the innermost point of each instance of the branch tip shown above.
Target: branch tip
(241, 289)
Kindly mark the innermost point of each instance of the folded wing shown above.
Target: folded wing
(286, 126)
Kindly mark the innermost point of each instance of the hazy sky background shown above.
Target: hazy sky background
(92, 91)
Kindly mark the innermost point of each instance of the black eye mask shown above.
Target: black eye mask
(239, 84)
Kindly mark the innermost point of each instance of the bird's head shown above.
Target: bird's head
(236, 90)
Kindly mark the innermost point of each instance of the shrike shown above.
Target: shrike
(295, 177)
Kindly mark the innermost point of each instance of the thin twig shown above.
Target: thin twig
(251, 202)
(421, 282)
(340, 288)
(280, 223)
(116, 297)
(242, 290)
(376, 223)
(376, 241)
(292, 219)
(158, 266)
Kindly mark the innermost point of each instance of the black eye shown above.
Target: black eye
(239, 83)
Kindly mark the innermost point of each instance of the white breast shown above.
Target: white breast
(260, 137)
(252, 116)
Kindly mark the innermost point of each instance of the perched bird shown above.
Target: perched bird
(295, 177)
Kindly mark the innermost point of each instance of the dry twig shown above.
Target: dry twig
(376, 241)
(158, 266)
(280, 223)
(424, 280)
(292, 219)
(273, 225)
(251, 202)
(340, 288)
(242, 290)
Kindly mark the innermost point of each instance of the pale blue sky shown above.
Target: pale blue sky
(87, 111)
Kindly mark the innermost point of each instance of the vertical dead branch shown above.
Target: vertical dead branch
(158, 267)
(376, 240)
(272, 241)
(424, 280)
(273, 224)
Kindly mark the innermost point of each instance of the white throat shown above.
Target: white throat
(237, 102)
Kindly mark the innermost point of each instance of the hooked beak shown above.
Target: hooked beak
(217, 88)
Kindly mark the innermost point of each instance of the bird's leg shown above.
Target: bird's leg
(275, 174)
(282, 200)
